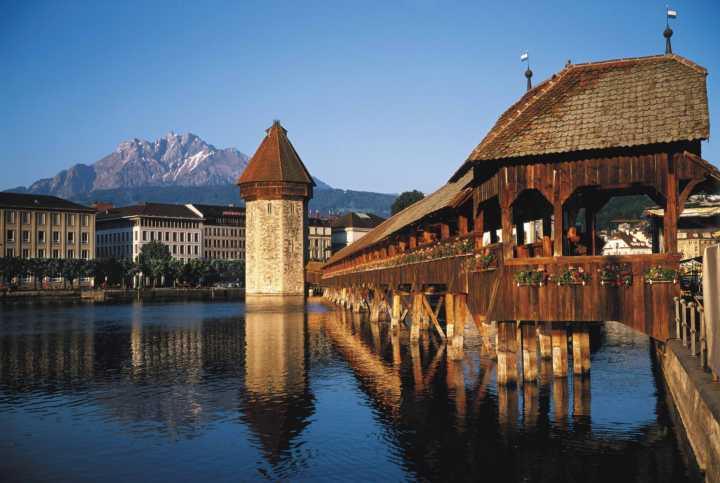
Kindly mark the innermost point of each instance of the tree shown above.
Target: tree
(153, 260)
(406, 199)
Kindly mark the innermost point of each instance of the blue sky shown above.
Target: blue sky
(381, 96)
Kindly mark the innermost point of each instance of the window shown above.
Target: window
(56, 237)
(182, 236)
(71, 253)
(167, 236)
(196, 250)
(55, 218)
(196, 237)
(40, 218)
(85, 220)
(84, 238)
(136, 236)
(71, 237)
(25, 236)
(182, 249)
(269, 207)
(10, 217)
(84, 254)
(25, 218)
(41, 236)
(10, 252)
(144, 235)
(174, 236)
(56, 253)
(70, 219)
(152, 236)
(174, 250)
(41, 253)
(26, 253)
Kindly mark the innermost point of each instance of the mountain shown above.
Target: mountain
(180, 168)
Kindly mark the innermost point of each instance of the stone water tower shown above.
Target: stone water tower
(276, 188)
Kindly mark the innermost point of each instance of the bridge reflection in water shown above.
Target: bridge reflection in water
(256, 395)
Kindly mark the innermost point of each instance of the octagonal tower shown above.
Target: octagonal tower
(276, 188)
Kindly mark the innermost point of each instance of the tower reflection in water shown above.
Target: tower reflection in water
(276, 401)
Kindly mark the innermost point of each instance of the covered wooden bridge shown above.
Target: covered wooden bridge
(511, 242)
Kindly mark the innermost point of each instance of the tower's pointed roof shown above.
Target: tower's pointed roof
(276, 160)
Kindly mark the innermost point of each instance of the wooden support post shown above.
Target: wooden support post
(670, 218)
(461, 313)
(560, 350)
(581, 349)
(444, 231)
(412, 242)
(415, 315)
(544, 330)
(462, 225)
(529, 351)
(558, 226)
(395, 317)
(507, 238)
(479, 228)
(507, 371)
(449, 315)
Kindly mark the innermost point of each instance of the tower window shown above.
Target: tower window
(269, 208)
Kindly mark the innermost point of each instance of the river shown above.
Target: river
(202, 391)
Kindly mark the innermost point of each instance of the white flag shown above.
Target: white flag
(672, 13)
(524, 57)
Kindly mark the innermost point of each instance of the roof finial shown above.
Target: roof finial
(670, 13)
(528, 73)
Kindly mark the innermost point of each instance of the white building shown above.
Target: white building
(122, 232)
(351, 227)
(622, 243)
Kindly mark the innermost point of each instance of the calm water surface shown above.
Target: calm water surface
(212, 392)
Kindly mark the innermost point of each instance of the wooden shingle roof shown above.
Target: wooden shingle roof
(600, 105)
(276, 160)
(445, 197)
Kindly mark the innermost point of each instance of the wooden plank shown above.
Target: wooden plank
(433, 317)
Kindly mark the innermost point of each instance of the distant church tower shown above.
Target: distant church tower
(276, 188)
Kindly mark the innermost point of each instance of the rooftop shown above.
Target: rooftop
(357, 220)
(603, 105)
(161, 210)
(276, 160)
(35, 201)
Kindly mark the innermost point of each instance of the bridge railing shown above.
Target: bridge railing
(691, 330)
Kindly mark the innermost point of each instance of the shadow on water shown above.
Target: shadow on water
(185, 391)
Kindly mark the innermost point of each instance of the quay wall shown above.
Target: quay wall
(101, 295)
(697, 402)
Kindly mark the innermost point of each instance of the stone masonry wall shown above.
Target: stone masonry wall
(275, 247)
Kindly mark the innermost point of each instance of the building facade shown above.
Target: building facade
(319, 239)
(223, 231)
(122, 232)
(351, 227)
(276, 187)
(39, 226)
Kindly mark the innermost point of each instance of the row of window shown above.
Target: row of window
(225, 243)
(40, 253)
(117, 237)
(215, 231)
(221, 255)
(153, 236)
(25, 236)
(168, 223)
(41, 218)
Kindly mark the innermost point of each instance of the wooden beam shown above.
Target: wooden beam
(670, 220)
(462, 225)
(560, 351)
(506, 347)
(433, 317)
(444, 231)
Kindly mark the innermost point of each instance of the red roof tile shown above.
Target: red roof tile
(276, 160)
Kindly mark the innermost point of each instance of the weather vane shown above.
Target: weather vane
(524, 57)
(670, 13)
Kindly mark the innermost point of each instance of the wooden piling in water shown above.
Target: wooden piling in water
(581, 349)
(544, 330)
(529, 351)
(506, 346)
(560, 350)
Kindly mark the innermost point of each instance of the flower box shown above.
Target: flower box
(531, 278)
(572, 276)
(658, 274)
(616, 275)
